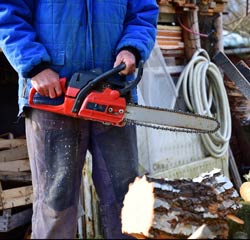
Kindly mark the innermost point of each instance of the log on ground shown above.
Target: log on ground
(174, 209)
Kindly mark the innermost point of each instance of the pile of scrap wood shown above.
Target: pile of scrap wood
(205, 7)
(15, 183)
(176, 209)
(184, 26)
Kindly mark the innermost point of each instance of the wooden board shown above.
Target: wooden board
(11, 143)
(14, 161)
(15, 176)
(13, 154)
(16, 197)
(15, 166)
(167, 9)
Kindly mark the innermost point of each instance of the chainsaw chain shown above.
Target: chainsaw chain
(166, 127)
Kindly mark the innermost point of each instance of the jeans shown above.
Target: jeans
(57, 147)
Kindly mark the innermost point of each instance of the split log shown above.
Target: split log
(175, 209)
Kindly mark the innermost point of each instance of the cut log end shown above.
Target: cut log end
(138, 205)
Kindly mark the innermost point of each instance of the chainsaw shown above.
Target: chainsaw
(109, 105)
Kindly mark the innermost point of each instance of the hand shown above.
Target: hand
(129, 59)
(47, 83)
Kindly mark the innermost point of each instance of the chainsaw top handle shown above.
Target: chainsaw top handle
(84, 91)
(134, 83)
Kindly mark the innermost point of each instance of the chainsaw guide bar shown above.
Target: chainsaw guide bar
(181, 121)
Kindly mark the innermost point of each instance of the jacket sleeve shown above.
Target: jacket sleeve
(18, 38)
(140, 27)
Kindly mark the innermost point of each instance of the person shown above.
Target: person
(47, 40)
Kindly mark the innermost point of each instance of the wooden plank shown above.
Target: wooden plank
(234, 170)
(175, 69)
(17, 197)
(1, 202)
(14, 154)
(15, 166)
(172, 47)
(234, 94)
(244, 69)
(15, 176)
(9, 221)
(168, 38)
(167, 9)
(7, 135)
(170, 43)
(173, 52)
(169, 28)
(193, 169)
(166, 18)
(12, 143)
(169, 34)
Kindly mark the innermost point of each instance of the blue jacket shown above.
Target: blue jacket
(72, 35)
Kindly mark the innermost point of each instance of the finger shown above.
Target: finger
(43, 92)
(118, 61)
(130, 68)
(53, 88)
(38, 88)
(52, 93)
(47, 93)
(58, 89)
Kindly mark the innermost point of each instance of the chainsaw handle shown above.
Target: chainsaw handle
(33, 92)
(84, 91)
(134, 83)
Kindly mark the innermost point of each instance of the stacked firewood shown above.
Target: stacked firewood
(175, 209)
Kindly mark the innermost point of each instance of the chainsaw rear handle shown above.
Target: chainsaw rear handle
(33, 91)
(84, 91)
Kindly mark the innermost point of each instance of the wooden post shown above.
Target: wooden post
(190, 25)
(219, 34)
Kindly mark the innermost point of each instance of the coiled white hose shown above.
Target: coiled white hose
(204, 93)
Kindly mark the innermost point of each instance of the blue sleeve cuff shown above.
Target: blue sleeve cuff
(37, 69)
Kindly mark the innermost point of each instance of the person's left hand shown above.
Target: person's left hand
(129, 59)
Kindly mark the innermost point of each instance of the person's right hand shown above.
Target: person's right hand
(47, 83)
